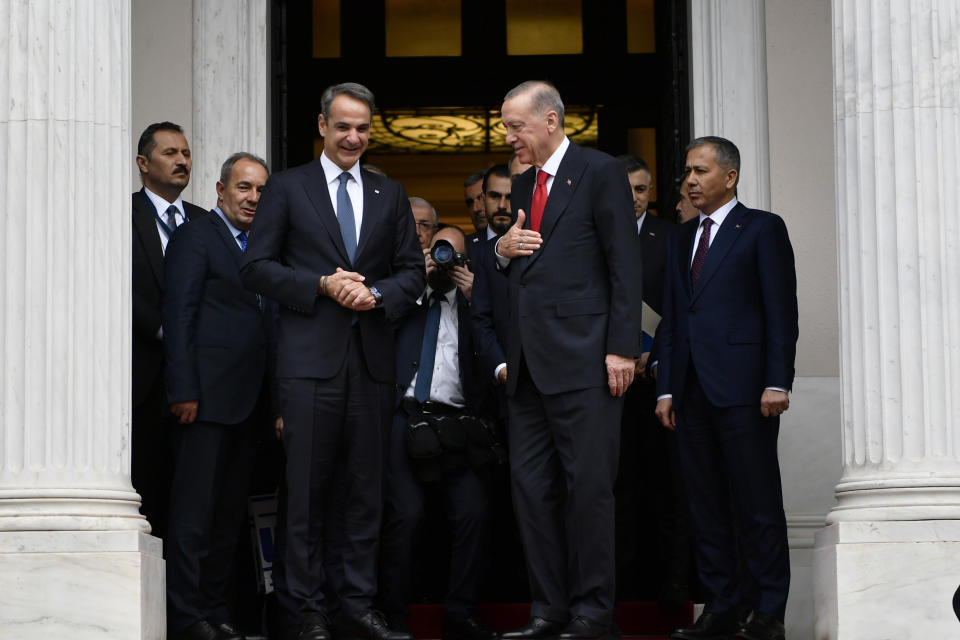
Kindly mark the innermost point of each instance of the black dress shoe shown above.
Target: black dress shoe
(200, 630)
(583, 628)
(230, 631)
(761, 627)
(466, 628)
(709, 626)
(537, 629)
(372, 626)
(315, 626)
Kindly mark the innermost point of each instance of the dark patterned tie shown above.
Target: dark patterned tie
(701, 255)
(242, 237)
(539, 202)
(172, 212)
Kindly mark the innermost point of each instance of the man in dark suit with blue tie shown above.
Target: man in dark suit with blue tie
(575, 299)
(437, 378)
(164, 161)
(727, 347)
(337, 249)
(215, 365)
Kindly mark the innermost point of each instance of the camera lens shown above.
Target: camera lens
(442, 254)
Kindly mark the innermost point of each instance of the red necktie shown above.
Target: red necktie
(701, 255)
(539, 200)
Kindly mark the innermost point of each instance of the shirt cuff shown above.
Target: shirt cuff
(500, 367)
(776, 389)
(160, 333)
(666, 395)
(503, 262)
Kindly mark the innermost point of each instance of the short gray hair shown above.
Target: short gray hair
(227, 167)
(728, 156)
(423, 203)
(352, 89)
(545, 97)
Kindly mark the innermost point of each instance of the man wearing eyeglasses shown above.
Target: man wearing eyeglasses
(427, 221)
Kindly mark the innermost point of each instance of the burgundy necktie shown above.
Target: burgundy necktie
(701, 255)
(539, 200)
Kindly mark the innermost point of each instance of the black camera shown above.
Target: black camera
(446, 257)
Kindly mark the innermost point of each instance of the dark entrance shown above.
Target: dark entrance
(639, 100)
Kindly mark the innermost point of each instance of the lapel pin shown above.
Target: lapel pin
(653, 234)
(569, 182)
(376, 191)
(737, 227)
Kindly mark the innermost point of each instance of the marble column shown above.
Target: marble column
(75, 560)
(893, 544)
(230, 88)
(729, 86)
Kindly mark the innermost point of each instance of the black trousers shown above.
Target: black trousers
(649, 491)
(465, 506)
(563, 459)
(211, 478)
(152, 458)
(333, 430)
(728, 456)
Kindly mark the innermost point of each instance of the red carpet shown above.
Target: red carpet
(636, 619)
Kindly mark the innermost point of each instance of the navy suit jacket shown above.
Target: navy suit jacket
(577, 298)
(213, 327)
(296, 238)
(491, 313)
(410, 343)
(147, 292)
(653, 252)
(739, 325)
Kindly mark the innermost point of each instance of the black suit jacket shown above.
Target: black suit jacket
(578, 297)
(739, 325)
(147, 294)
(296, 238)
(653, 252)
(410, 342)
(474, 242)
(213, 327)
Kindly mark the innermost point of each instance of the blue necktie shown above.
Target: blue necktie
(242, 237)
(428, 352)
(172, 217)
(348, 225)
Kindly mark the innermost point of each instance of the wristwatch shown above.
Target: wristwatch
(377, 296)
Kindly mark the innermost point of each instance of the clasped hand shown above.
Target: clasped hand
(348, 290)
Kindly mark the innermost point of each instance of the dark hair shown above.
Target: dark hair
(147, 142)
(728, 156)
(633, 163)
(352, 89)
(227, 168)
(545, 97)
(500, 170)
(473, 178)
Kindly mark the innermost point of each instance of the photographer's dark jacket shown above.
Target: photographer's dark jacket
(409, 341)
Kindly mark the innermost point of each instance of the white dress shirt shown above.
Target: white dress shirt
(161, 206)
(643, 216)
(445, 385)
(354, 188)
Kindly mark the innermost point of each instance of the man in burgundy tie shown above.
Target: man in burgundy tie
(726, 363)
(575, 300)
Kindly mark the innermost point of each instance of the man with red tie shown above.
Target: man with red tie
(575, 299)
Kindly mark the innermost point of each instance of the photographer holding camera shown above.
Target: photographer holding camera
(437, 443)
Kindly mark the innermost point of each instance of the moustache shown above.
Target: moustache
(181, 169)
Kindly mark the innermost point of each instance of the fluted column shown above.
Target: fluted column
(65, 275)
(74, 561)
(729, 75)
(230, 87)
(897, 141)
(893, 543)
